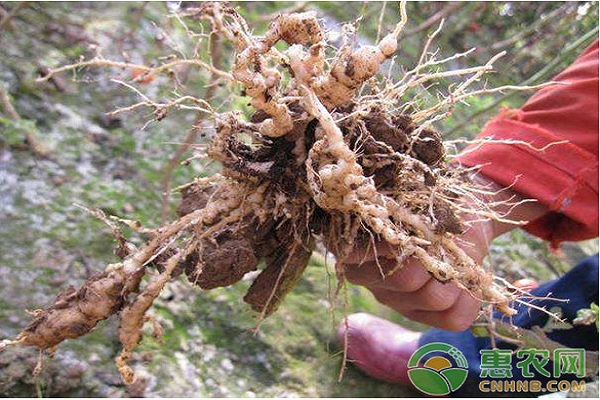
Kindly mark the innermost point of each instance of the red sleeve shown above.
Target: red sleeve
(564, 177)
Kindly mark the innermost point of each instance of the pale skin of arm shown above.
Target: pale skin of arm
(414, 293)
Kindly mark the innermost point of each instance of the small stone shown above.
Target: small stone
(227, 365)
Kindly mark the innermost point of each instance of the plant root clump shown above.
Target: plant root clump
(327, 156)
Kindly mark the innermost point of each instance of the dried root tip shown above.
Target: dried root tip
(124, 369)
(40, 362)
(5, 343)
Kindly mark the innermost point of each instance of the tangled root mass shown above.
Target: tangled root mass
(315, 162)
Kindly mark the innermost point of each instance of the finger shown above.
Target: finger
(365, 252)
(369, 273)
(457, 318)
(434, 296)
(408, 278)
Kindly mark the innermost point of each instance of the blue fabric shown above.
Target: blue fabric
(579, 286)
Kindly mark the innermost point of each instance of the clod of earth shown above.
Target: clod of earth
(315, 162)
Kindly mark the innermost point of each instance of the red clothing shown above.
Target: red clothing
(564, 177)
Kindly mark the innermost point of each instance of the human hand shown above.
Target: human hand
(410, 290)
(414, 292)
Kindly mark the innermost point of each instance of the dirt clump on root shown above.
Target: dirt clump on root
(315, 162)
(223, 263)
